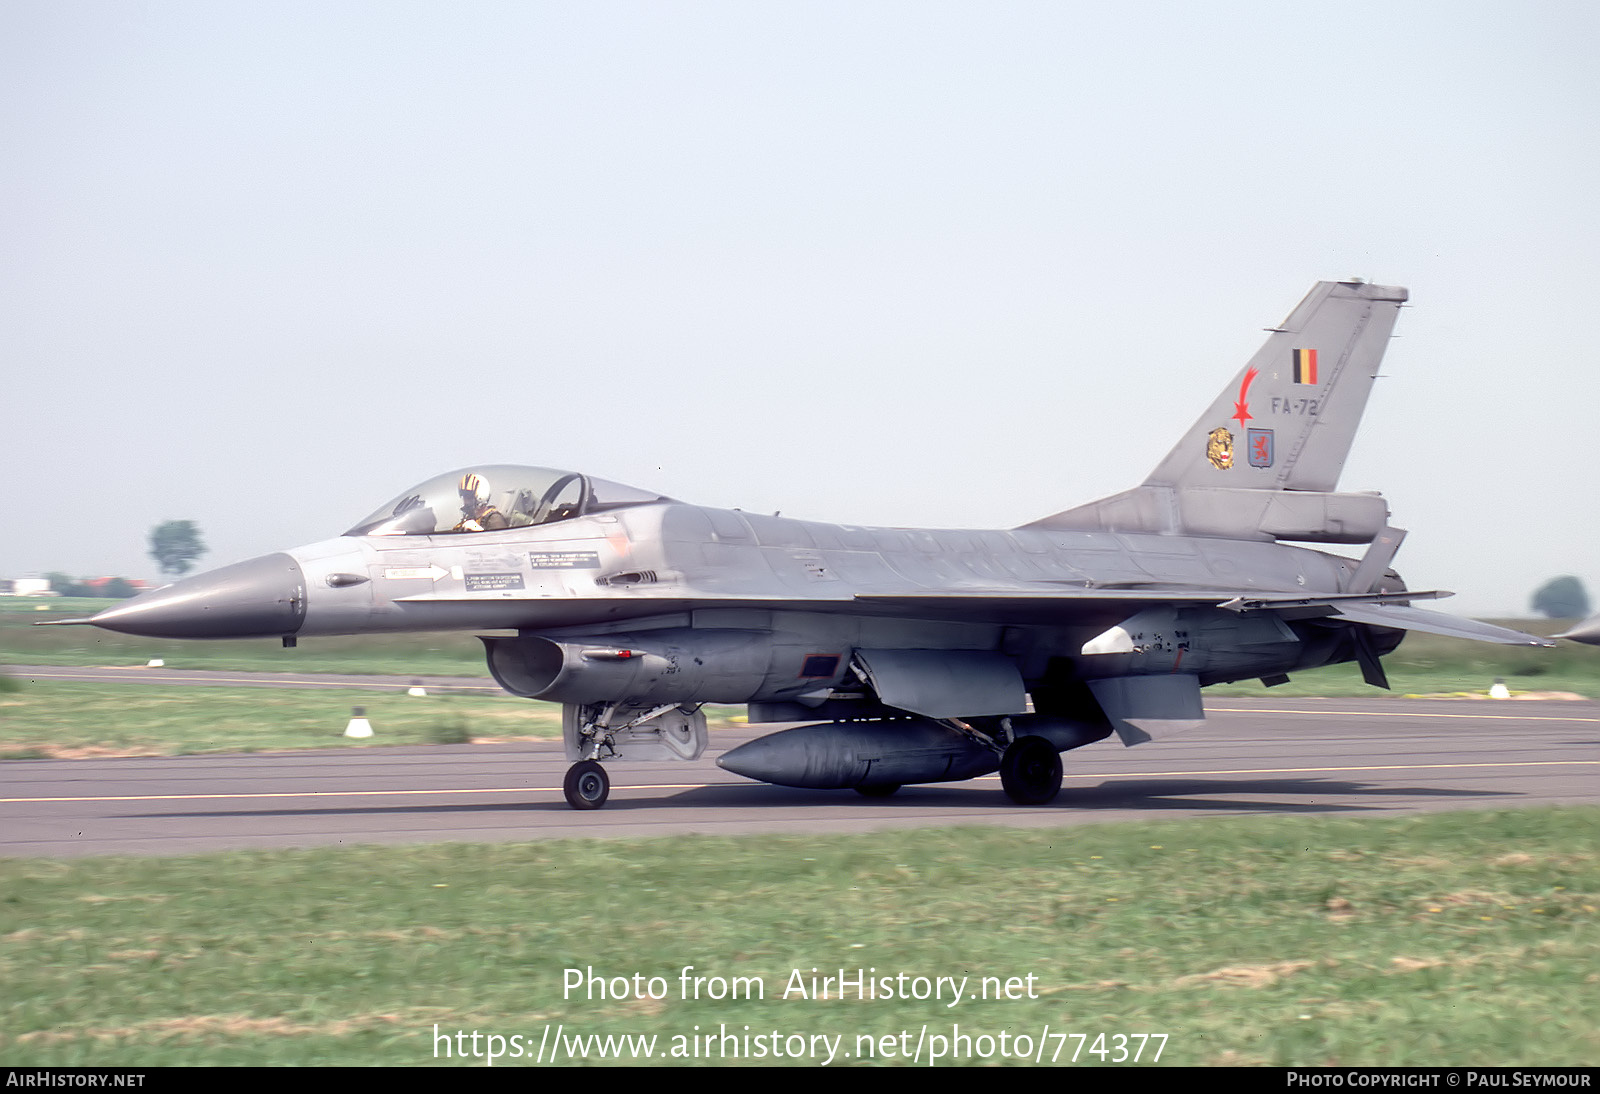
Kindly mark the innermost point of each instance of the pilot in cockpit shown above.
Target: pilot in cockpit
(477, 515)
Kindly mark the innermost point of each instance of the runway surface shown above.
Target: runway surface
(1373, 757)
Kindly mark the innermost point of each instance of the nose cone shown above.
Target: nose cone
(264, 596)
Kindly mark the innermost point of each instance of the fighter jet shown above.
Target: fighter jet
(911, 655)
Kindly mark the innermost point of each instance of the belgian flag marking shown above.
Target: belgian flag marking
(1305, 366)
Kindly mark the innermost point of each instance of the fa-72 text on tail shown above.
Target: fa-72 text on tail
(915, 655)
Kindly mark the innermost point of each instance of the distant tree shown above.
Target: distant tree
(1562, 598)
(175, 545)
(65, 585)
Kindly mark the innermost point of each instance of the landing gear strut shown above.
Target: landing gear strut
(1030, 771)
(587, 785)
(592, 732)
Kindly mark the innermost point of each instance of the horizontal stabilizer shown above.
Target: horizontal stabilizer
(1401, 618)
(1279, 601)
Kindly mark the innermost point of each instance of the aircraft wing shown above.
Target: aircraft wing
(1093, 604)
(1090, 605)
(1071, 599)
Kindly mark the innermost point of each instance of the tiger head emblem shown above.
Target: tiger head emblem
(1219, 449)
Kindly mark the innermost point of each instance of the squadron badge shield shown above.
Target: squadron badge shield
(1258, 443)
(1219, 449)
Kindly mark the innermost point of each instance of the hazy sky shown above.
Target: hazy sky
(940, 264)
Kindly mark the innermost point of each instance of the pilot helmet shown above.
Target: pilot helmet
(474, 489)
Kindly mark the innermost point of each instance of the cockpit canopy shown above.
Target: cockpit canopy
(496, 496)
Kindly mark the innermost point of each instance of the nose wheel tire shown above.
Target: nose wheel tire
(1030, 771)
(587, 785)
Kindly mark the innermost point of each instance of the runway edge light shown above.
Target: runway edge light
(358, 725)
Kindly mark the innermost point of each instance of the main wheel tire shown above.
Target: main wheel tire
(1030, 771)
(877, 790)
(587, 786)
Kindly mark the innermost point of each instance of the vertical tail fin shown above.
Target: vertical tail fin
(1287, 419)
(1264, 460)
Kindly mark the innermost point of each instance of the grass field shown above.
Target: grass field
(63, 720)
(56, 720)
(1458, 938)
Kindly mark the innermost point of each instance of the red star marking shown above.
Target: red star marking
(1241, 409)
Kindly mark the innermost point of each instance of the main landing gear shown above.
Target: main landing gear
(1030, 771)
(587, 786)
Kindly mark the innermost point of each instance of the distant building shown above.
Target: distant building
(90, 586)
(97, 585)
(25, 586)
